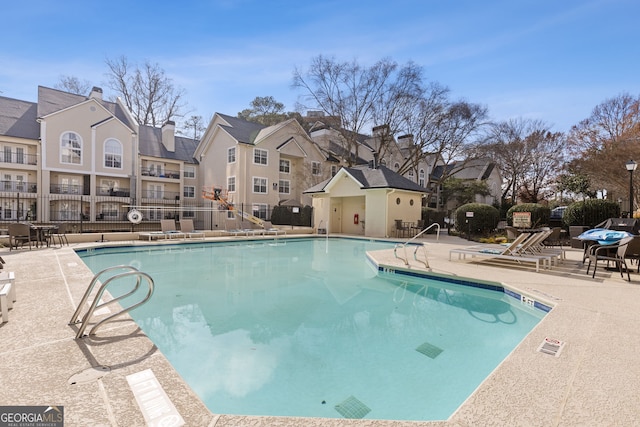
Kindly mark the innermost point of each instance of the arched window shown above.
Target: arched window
(421, 178)
(112, 154)
(71, 148)
(396, 166)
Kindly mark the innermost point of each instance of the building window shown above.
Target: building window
(189, 172)
(112, 154)
(396, 166)
(231, 155)
(189, 191)
(260, 156)
(334, 170)
(188, 214)
(284, 186)
(71, 148)
(315, 168)
(260, 185)
(259, 210)
(421, 177)
(285, 166)
(411, 175)
(231, 184)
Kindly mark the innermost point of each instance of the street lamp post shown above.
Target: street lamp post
(631, 166)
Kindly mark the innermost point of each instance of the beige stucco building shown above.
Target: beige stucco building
(366, 201)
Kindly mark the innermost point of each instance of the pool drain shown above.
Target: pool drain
(89, 375)
(429, 350)
(352, 408)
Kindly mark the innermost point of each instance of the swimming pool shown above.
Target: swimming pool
(309, 327)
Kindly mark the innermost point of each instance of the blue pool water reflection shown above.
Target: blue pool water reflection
(309, 327)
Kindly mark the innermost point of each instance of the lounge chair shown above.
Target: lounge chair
(248, 228)
(514, 252)
(270, 229)
(186, 227)
(7, 293)
(168, 227)
(534, 245)
(231, 227)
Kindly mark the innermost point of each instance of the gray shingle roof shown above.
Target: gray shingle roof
(382, 177)
(52, 100)
(150, 144)
(18, 118)
(243, 131)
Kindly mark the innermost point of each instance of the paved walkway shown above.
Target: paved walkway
(595, 381)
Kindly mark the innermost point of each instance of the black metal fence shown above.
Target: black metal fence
(101, 214)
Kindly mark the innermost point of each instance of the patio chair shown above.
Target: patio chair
(512, 232)
(168, 227)
(60, 233)
(555, 238)
(19, 234)
(616, 253)
(401, 228)
(186, 227)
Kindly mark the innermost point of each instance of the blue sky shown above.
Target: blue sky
(544, 59)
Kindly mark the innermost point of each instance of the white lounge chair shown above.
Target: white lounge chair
(186, 227)
(514, 252)
(270, 229)
(168, 227)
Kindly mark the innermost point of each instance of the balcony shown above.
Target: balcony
(161, 195)
(18, 158)
(66, 189)
(153, 172)
(18, 187)
(113, 192)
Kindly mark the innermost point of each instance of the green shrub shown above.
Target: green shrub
(484, 221)
(539, 214)
(590, 212)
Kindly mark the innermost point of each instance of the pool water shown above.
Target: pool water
(310, 328)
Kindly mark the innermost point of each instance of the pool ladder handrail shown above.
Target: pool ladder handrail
(418, 246)
(132, 271)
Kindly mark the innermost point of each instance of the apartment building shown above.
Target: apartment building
(69, 157)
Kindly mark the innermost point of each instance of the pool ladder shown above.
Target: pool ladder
(129, 271)
(418, 246)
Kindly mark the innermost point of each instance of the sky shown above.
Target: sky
(545, 60)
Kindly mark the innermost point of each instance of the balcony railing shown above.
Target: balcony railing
(171, 174)
(18, 158)
(161, 195)
(113, 192)
(66, 189)
(18, 187)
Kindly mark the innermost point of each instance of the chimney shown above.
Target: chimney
(96, 93)
(405, 141)
(169, 135)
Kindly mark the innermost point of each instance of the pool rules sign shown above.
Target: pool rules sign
(522, 219)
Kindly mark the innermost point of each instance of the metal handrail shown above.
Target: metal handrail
(94, 305)
(415, 252)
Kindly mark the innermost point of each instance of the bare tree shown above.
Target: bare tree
(74, 85)
(529, 155)
(193, 126)
(148, 93)
(346, 90)
(602, 143)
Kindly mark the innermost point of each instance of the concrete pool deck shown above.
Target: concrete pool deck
(594, 381)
